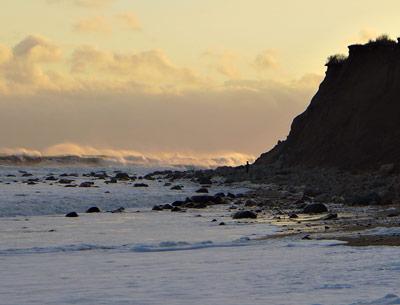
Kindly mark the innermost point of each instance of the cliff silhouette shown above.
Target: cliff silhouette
(353, 121)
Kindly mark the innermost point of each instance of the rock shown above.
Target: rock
(119, 210)
(86, 184)
(141, 185)
(307, 237)
(293, 216)
(51, 178)
(167, 207)
(93, 210)
(122, 176)
(72, 214)
(157, 208)
(199, 205)
(206, 199)
(177, 187)
(244, 214)
(178, 203)
(222, 195)
(387, 169)
(315, 208)
(368, 199)
(167, 184)
(70, 185)
(204, 180)
(27, 175)
(221, 224)
(251, 203)
(230, 195)
(176, 209)
(65, 181)
(214, 220)
(331, 216)
(202, 190)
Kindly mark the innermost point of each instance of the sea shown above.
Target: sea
(144, 257)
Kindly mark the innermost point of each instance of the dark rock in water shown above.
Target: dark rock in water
(86, 184)
(51, 178)
(204, 180)
(31, 183)
(122, 176)
(72, 214)
(93, 210)
(177, 187)
(369, 199)
(293, 216)
(167, 207)
(206, 199)
(315, 208)
(221, 223)
(220, 195)
(331, 216)
(157, 208)
(353, 120)
(141, 185)
(307, 237)
(230, 195)
(178, 203)
(202, 190)
(176, 209)
(27, 175)
(250, 203)
(214, 220)
(119, 210)
(244, 214)
(70, 185)
(199, 205)
(65, 181)
(167, 184)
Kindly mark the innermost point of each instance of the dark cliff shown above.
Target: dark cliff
(353, 122)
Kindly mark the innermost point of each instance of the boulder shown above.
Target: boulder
(86, 184)
(65, 181)
(177, 187)
(202, 190)
(93, 210)
(244, 215)
(122, 176)
(315, 208)
(141, 185)
(72, 214)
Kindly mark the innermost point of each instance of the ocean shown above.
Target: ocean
(146, 257)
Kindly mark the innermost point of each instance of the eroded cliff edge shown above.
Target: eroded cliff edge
(353, 121)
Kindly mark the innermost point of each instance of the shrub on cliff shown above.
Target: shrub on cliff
(336, 59)
(381, 40)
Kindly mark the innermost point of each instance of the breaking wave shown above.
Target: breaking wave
(70, 153)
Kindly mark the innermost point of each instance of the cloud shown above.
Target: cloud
(38, 49)
(96, 24)
(266, 60)
(224, 62)
(23, 68)
(129, 21)
(150, 68)
(85, 3)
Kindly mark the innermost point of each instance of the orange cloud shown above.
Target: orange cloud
(86, 3)
(96, 24)
(129, 21)
(266, 60)
(224, 62)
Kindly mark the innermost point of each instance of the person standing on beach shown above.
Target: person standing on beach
(247, 167)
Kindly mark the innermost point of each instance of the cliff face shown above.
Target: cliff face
(353, 121)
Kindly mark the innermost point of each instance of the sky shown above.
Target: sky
(196, 78)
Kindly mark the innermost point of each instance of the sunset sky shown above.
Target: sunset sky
(195, 77)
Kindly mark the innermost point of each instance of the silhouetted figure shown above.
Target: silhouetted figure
(247, 167)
